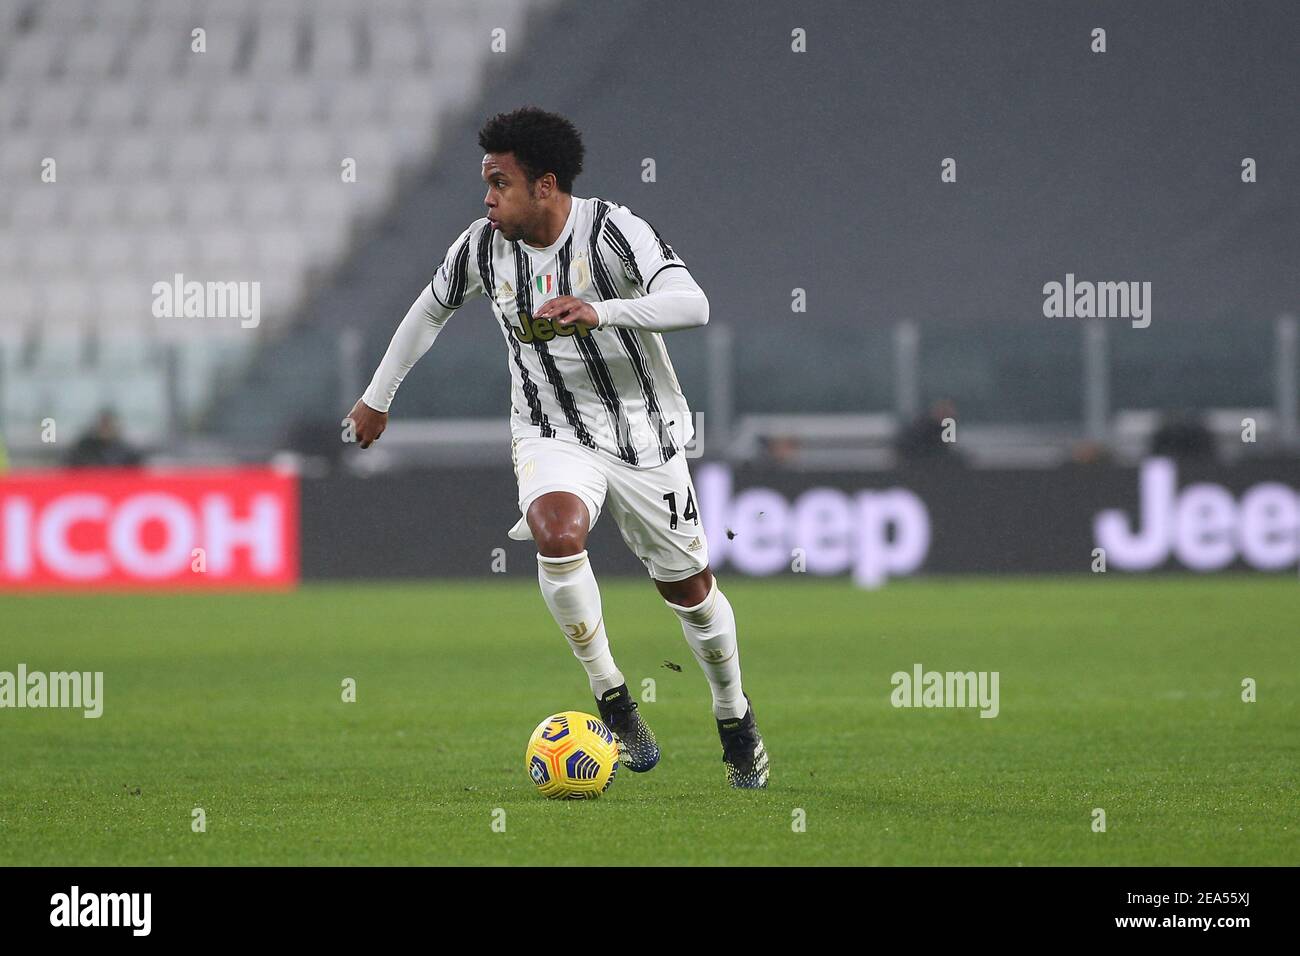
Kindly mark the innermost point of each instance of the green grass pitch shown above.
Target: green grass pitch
(1116, 693)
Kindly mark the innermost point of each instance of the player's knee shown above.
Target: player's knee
(559, 524)
(559, 544)
(558, 535)
(688, 592)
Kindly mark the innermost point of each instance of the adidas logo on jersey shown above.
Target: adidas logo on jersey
(505, 298)
(695, 544)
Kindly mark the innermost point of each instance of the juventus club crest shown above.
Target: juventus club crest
(579, 274)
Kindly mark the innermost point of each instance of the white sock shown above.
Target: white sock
(710, 629)
(570, 590)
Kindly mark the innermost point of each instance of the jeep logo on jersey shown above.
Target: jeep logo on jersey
(543, 330)
(543, 283)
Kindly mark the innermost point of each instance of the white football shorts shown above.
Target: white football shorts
(656, 508)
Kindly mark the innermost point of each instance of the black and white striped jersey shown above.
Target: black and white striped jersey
(612, 389)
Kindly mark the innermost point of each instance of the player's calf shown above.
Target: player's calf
(573, 597)
(710, 629)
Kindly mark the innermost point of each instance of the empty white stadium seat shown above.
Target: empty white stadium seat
(223, 43)
(35, 207)
(54, 258)
(255, 153)
(135, 156)
(223, 249)
(312, 151)
(236, 104)
(293, 103)
(334, 47)
(266, 203)
(148, 203)
(126, 307)
(21, 154)
(156, 52)
(13, 255)
(90, 56)
(93, 204)
(20, 305)
(174, 106)
(187, 13)
(32, 58)
(170, 251)
(112, 107)
(53, 106)
(68, 15)
(283, 11)
(113, 251)
(276, 48)
(80, 156)
(195, 153)
(10, 12)
(397, 46)
(208, 204)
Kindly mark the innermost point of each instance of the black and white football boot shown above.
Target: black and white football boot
(743, 752)
(637, 748)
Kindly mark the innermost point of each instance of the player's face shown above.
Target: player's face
(511, 204)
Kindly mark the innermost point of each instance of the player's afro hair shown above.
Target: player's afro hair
(542, 143)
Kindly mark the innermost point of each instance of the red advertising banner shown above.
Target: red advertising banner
(144, 529)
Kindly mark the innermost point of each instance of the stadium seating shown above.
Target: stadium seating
(225, 165)
(220, 165)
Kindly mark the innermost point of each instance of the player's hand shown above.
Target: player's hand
(568, 310)
(369, 424)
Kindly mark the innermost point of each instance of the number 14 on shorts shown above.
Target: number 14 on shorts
(689, 514)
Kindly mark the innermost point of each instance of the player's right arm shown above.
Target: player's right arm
(454, 282)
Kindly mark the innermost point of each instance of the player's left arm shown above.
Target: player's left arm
(663, 295)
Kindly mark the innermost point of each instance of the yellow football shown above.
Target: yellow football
(572, 756)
